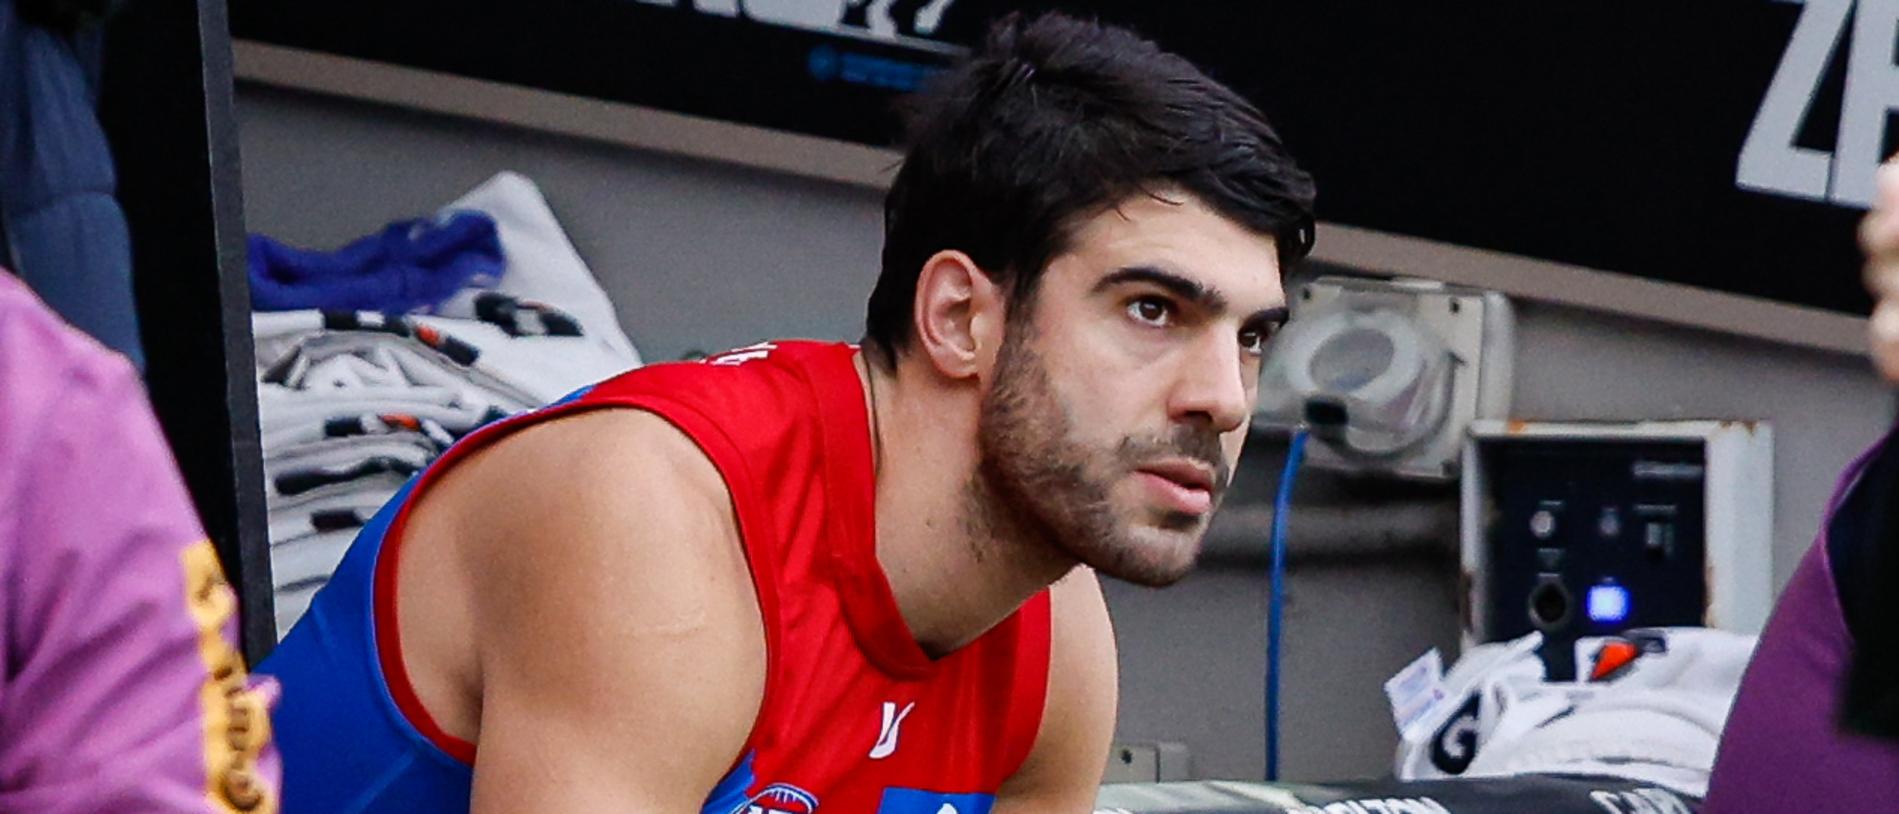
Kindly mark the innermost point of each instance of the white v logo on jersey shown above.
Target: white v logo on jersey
(887, 737)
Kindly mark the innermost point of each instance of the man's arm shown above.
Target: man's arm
(1063, 770)
(620, 649)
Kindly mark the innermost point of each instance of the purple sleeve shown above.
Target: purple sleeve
(123, 690)
(1783, 748)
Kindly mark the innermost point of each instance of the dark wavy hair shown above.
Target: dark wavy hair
(1052, 120)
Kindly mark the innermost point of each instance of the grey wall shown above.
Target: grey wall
(695, 255)
(701, 256)
(1825, 407)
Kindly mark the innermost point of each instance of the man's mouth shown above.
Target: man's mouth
(1182, 485)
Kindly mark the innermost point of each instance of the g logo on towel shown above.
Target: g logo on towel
(1455, 744)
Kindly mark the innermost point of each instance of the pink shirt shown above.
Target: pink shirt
(122, 688)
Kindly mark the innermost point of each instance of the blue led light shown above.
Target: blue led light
(1608, 603)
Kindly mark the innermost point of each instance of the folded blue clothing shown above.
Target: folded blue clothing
(410, 265)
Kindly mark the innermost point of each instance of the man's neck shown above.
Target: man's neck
(955, 569)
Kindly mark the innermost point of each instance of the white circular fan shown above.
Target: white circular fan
(1369, 382)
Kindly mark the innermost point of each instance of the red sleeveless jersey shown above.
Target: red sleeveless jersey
(856, 718)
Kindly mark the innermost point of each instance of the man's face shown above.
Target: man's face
(1122, 392)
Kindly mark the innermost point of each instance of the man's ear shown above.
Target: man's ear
(959, 313)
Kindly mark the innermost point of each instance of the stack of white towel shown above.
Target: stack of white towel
(353, 404)
(1647, 706)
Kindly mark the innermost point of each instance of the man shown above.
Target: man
(123, 689)
(1815, 726)
(797, 578)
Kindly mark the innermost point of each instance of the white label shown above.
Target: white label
(1415, 691)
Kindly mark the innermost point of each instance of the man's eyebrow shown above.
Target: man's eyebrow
(1176, 284)
(1189, 289)
(1266, 318)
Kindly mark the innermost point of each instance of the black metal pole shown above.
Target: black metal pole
(166, 104)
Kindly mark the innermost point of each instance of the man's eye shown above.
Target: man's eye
(1254, 340)
(1150, 310)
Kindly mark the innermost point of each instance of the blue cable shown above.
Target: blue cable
(1276, 603)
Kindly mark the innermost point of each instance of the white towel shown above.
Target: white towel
(1658, 720)
(292, 417)
(356, 376)
(542, 263)
(290, 524)
(309, 559)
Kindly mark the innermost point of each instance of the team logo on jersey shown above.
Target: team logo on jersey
(887, 736)
(779, 798)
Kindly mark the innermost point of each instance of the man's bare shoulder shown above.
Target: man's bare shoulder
(592, 492)
(604, 564)
(608, 465)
